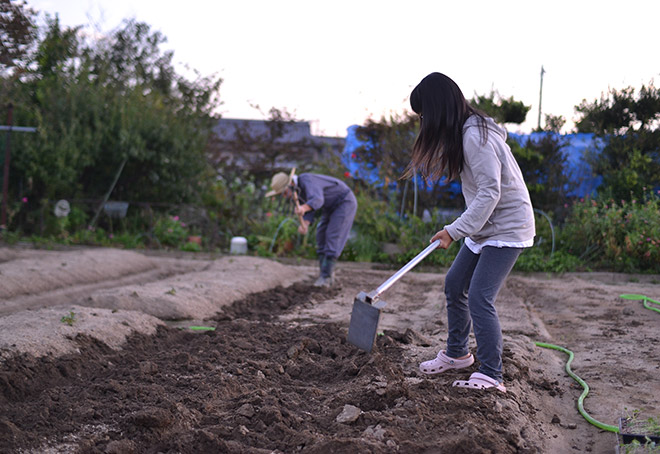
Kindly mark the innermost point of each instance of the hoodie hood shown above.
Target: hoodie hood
(473, 121)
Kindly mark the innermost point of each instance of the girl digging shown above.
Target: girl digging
(458, 140)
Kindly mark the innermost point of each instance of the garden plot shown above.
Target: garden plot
(276, 375)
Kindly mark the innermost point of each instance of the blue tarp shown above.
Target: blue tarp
(576, 145)
(575, 149)
(369, 172)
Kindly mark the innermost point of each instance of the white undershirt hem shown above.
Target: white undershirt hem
(477, 247)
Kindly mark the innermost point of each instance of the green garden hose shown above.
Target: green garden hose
(201, 328)
(645, 299)
(584, 385)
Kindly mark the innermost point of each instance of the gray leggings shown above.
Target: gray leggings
(471, 286)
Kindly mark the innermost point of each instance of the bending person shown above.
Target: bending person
(335, 202)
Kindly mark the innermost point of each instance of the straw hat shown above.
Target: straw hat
(280, 182)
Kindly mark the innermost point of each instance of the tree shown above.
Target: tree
(621, 112)
(388, 144)
(629, 122)
(40, 100)
(543, 164)
(502, 110)
(553, 123)
(132, 56)
(57, 51)
(17, 32)
(101, 104)
(386, 149)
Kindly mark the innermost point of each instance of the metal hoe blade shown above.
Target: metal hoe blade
(367, 306)
(364, 322)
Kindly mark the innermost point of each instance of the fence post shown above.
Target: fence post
(5, 174)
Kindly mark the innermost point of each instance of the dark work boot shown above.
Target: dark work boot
(327, 272)
(319, 280)
(321, 262)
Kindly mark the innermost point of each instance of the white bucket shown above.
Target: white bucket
(238, 245)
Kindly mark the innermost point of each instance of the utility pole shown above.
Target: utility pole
(541, 96)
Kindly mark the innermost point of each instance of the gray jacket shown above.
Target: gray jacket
(498, 203)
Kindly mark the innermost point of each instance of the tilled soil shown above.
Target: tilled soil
(127, 374)
(259, 385)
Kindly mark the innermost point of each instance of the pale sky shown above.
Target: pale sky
(339, 62)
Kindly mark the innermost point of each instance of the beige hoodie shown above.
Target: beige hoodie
(498, 203)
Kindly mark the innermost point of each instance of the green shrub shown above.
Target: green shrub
(414, 236)
(191, 246)
(10, 237)
(376, 218)
(621, 236)
(126, 240)
(77, 219)
(546, 233)
(170, 231)
(363, 248)
(535, 259)
(237, 205)
(601, 234)
(278, 236)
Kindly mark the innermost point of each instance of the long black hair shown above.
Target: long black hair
(443, 110)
